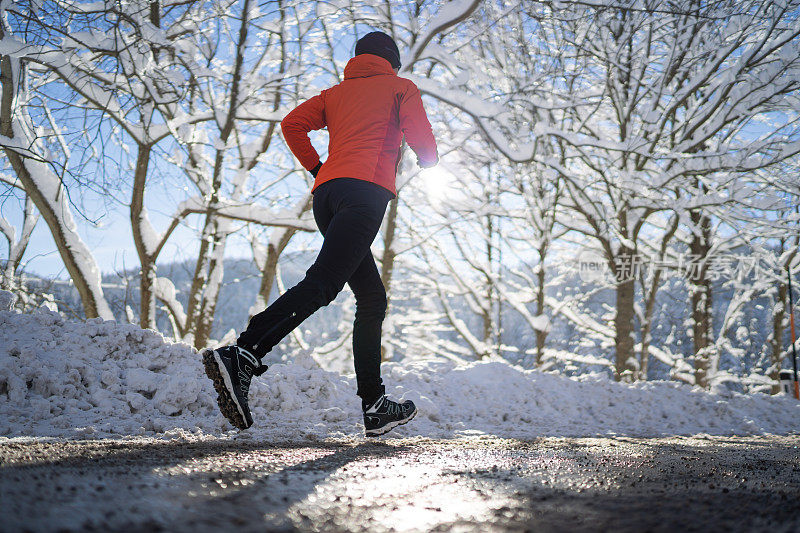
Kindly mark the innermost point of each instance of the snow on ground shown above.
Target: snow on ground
(98, 379)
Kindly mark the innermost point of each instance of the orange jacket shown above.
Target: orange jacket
(367, 115)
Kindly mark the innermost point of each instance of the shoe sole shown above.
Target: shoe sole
(226, 398)
(390, 426)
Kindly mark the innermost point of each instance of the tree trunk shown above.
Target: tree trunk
(83, 272)
(780, 318)
(208, 308)
(202, 298)
(701, 299)
(274, 251)
(625, 367)
(644, 354)
(541, 335)
(17, 247)
(147, 272)
(624, 267)
(270, 270)
(489, 326)
(647, 321)
(650, 298)
(778, 328)
(199, 280)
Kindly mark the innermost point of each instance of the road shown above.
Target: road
(476, 484)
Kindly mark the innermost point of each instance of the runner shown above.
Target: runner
(367, 116)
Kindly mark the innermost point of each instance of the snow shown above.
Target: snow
(165, 291)
(7, 300)
(102, 379)
(450, 11)
(252, 212)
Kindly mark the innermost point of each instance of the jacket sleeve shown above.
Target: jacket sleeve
(308, 116)
(416, 128)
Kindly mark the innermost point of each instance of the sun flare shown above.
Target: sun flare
(437, 183)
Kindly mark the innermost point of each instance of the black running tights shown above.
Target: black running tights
(348, 212)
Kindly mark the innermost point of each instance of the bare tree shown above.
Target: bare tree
(17, 244)
(42, 185)
(137, 65)
(659, 105)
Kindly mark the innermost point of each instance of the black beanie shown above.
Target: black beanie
(379, 44)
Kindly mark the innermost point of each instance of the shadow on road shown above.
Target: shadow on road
(627, 484)
(550, 484)
(227, 483)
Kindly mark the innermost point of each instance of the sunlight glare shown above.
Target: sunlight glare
(437, 183)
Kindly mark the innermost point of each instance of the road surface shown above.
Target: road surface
(477, 484)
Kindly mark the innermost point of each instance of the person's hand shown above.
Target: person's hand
(427, 164)
(316, 169)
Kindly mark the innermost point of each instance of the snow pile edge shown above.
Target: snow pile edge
(103, 379)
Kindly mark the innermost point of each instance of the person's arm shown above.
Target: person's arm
(308, 116)
(417, 129)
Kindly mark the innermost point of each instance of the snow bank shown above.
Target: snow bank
(100, 379)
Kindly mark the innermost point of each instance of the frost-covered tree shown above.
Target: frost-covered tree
(31, 158)
(463, 257)
(247, 89)
(662, 101)
(107, 55)
(161, 74)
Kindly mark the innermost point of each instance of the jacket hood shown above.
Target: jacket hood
(365, 65)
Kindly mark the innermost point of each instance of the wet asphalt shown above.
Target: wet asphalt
(476, 484)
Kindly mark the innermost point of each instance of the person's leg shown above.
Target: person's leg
(276, 313)
(381, 414)
(370, 311)
(349, 212)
